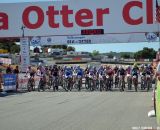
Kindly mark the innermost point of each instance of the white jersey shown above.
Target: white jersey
(158, 68)
(38, 72)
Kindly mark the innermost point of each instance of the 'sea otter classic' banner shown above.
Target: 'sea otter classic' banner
(77, 17)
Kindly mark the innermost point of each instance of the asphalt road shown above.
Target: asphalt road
(76, 111)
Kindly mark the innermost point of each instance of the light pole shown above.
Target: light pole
(22, 28)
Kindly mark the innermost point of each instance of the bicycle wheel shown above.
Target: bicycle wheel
(64, 85)
(29, 86)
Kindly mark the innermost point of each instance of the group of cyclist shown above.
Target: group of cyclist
(95, 78)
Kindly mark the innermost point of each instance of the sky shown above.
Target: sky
(117, 47)
(103, 48)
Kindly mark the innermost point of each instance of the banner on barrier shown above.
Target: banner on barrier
(5, 61)
(75, 17)
(25, 57)
(91, 39)
(9, 81)
(158, 102)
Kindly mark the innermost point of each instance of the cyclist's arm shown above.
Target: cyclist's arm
(27, 71)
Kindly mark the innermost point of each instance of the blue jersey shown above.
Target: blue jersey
(101, 71)
(68, 72)
(148, 71)
(135, 72)
(91, 72)
(79, 72)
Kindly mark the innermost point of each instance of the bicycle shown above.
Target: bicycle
(42, 83)
(148, 82)
(129, 81)
(101, 82)
(78, 83)
(30, 84)
(121, 82)
(135, 82)
(55, 83)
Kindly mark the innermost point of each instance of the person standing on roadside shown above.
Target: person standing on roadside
(16, 71)
(1, 80)
(55, 74)
(9, 70)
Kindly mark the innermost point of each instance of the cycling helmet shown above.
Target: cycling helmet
(39, 64)
(142, 65)
(135, 65)
(149, 65)
(128, 67)
(78, 67)
(64, 67)
(116, 66)
(120, 67)
(29, 66)
(146, 65)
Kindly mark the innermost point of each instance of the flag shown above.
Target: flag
(157, 12)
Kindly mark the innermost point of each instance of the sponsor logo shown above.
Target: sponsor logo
(49, 39)
(35, 41)
(151, 37)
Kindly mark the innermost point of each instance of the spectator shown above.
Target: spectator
(16, 71)
(157, 73)
(9, 70)
(1, 80)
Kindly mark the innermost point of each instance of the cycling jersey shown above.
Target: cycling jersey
(38, 72)
(55, 71)
(68, 72)
(31, 72)
(148, 71)
(86, 71)
(74, 73)
(79, 72)
(91, 72)
(128, 70)
(121, 72)
(116, 70)
(143, 73)
(110, 72)
(101, 71)
(135, 72)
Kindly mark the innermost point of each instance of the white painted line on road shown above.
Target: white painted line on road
(151, 113)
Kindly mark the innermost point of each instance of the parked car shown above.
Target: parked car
(37, 62)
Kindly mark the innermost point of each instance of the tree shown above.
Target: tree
(95, 53)
(15, 49)
(70, 48)
(59, 46)
(10, 46)
(110, 56)
(125, 56)
(146, 53)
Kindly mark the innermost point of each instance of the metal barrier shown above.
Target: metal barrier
(22, 82)
(157, 97)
